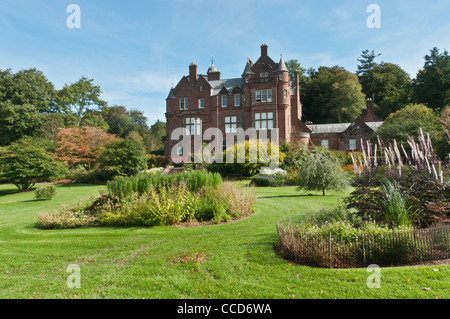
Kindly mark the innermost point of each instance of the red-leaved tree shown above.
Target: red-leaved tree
(81, 145)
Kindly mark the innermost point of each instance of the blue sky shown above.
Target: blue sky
(136, 49)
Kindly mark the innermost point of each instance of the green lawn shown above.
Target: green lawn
(230, 261)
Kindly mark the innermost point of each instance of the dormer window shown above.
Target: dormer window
(237, 100)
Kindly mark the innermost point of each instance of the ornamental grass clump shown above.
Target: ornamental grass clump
(45, 192)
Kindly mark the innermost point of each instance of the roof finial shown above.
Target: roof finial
(212, 60)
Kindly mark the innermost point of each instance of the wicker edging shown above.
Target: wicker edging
(396, 249)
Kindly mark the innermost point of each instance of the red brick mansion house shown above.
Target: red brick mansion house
(262, 98)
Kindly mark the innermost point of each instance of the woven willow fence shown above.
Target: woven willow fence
(392, 249)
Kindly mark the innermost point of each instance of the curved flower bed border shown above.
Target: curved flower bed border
(384, 250)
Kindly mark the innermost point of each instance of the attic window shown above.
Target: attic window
(201, 88)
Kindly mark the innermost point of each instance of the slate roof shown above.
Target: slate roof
(338, 128)
(229, 84)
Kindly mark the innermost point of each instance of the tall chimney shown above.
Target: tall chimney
(193, 72)
(264, 50)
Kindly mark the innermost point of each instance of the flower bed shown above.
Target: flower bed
(327, 247)
(158, 201)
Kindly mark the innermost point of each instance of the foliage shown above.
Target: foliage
(67, 218)
(322, 171)
(295, 152)
(81, 145)
(250, 156)
(17, 121)
(337, 96)
(122, 157)
(155, 134)
(407, 122)
(45, 192)
(165, 204)
(154, 161)
(420, 188)
(263, 181)
(123, 187)
(23, 164)
(388, 84)
(397, 211)
(80, 97)
(432, 84)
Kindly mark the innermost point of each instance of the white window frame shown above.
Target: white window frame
(193, 126)
(237, 100)
(258, 95)
(264, 121)
(224, 100)
(201, 103)
(230, 124)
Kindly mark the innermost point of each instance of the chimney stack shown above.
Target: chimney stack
(193, 72)
(264, 50)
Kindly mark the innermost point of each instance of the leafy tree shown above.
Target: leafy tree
(17, 121)
(387, 84)
(81, 145)
(28, 87)
(24, 164)
(407, 122)
(322, 171)
(24, 97)
(119, 120)
(79, 97)
(432, 84)
(364, 71)
(337, 96)
(123, 157)
(391, 88)
(155, 134)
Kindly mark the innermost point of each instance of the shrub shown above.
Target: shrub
(247, 165)
(123, 187)
(154, 161)
(45, 192)
(322, 171)
(263, 181)
(239, 199)
(65, 218)
(397, 210)
(168, 205)
(211, 207)
(123, 157)
(162, 205)
(24, 164)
